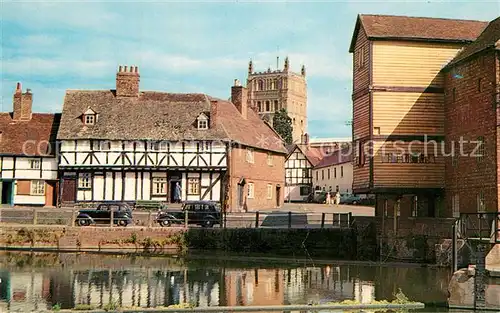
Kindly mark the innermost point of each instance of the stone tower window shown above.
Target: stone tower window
(276, 105)
(261, 85)
(278, 84)
(268, 106)
(259, 105)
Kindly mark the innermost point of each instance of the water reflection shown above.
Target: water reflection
(69, 280)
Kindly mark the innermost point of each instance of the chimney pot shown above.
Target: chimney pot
(125, 68)
(18, 87)
(120, 69)
(22, 103)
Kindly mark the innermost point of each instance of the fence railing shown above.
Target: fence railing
(483, 226)
(257, 219)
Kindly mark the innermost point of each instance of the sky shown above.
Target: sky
(195, 46)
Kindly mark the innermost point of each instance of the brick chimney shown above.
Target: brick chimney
(305, 139)
(23, 103)
(214, 112)
(127, 81)
(239, 97)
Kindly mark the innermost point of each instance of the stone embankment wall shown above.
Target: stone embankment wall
(332, 243)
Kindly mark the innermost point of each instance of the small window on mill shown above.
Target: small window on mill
(89, 117)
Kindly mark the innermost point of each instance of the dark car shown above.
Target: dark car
(350, 199)
(122, 215)
(203, 213)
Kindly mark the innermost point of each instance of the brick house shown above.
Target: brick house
(472, 82)
(28, 163)
(127, 145)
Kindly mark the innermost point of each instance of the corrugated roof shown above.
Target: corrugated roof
(417, 28)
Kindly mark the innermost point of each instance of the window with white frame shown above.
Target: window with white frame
(37, 188)
(193, 186)
(270, 159)
(89, 119)
(269, 191)
(250, 191)
(204, 146)
(84, 181)
(35, 164)
(455, 205)
(101, 145)
(153, 146)
(250, 158)
(159, 186)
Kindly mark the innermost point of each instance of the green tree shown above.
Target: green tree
(282, 124)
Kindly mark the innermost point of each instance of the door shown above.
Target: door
(241, 189)
(278, 196)
(50, 194)
(7, 193)
(69, 190)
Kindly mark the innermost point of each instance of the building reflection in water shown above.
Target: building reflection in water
(25, 291)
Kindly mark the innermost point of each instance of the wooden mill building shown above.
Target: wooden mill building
(398, 105)
(126, 144)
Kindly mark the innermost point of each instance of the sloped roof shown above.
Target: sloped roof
(337, 157)
(161, 116)
(313, 155)
(489, 38)
(35, 137)
(417, 28)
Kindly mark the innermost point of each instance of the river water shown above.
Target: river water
(35, 281)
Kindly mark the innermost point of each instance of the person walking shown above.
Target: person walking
(177, 193)
(328, 198)
(337, 198)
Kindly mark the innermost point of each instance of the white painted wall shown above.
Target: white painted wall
(344, 182)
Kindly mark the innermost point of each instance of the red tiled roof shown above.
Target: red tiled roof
(28, 137)
(489, 38)
(417, 28)
(313, 155)
(337, 157)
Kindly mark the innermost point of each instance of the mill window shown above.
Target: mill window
(202, 124)
(250, 158)
(269, 191)
(250, 193)
(89, 119)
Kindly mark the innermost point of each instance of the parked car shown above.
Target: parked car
(350, 199)
(122, 215)
(203, 213)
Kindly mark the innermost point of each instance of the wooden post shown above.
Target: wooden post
(323, 220)
(149, 219)
(257, 219)
(186, 222)
(73, 218)
(111, 222)
(454, 256)
(35, 216)
(289, 219)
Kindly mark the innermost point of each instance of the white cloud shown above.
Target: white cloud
(55, 67)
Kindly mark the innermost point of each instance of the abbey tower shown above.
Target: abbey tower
(270, 91)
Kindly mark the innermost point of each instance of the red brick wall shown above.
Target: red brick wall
(260, 174)
(469, 114)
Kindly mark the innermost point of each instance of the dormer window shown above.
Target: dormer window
(202, 121)
(89, 117)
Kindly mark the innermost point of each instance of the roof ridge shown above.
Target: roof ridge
(425, 17)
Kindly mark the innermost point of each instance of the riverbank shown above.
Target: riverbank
(331, 243)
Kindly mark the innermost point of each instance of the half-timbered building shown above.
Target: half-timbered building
(28, 165)
(127, 145)
(298, 170)
(398, 106)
